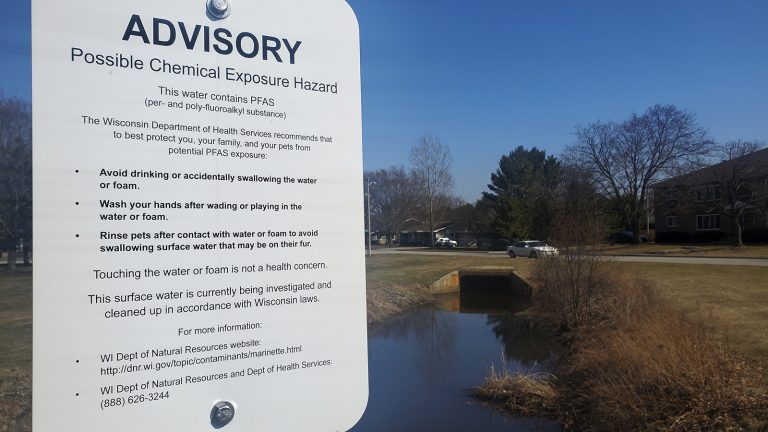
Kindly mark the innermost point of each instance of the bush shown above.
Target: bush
(663, 373)
(580, 291)
(673, 237)
(759, 235)
(708, 236)
(635, 365)
(685, 237)
(567, 287)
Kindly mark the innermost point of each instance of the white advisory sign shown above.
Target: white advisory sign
(198, 216)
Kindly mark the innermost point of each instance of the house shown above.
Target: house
(416, 233)
(715, 201)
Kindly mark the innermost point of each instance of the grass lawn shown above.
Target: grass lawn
(733, 300)
(16, 352)
(723, 250)
(409, 269)
(16, 322)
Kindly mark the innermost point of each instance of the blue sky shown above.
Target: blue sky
(489, 75)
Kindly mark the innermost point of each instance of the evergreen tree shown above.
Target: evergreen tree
(522, 191)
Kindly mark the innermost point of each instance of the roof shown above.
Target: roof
(758, 164)
(413, 225)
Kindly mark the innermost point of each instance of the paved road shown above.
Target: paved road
(422, 251)
(763, 262)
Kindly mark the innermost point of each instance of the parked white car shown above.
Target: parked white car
(531, 249)
(446, 243)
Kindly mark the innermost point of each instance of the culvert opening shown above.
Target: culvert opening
(484, 290)
(499, 283)
(483, 281)
(486, 283)
(497, 292)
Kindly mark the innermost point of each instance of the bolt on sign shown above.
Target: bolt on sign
(197, 216)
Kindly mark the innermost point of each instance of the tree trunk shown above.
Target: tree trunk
(431, 223)
(739, 242)
(636, 232)
(11, 255)
(25, 251)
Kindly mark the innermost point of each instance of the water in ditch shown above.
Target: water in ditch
(423, 364)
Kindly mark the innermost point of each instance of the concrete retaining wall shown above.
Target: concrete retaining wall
(483, 279)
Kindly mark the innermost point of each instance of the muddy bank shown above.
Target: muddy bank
(387, 301)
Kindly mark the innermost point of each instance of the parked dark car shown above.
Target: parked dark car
(625, 237)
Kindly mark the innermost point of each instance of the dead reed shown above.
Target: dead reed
(635, 364)
(524, 393)
(386, 301)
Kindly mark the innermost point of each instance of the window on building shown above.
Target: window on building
(671, 198)
(709, 192)
(708, 222)
(746, 194)
(671, 194)
(748, 220)
(671, 221)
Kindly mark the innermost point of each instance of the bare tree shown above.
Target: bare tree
(737, 178)
(626, 158)
(393, 199)
(577, 204)
(15, 175)
(431, 163)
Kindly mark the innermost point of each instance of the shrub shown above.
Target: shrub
(663, 373)
(580, 290)
(755, 235)
(673, 237)
(708, 236)
(635, 365)
(566, 287)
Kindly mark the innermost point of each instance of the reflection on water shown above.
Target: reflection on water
(423, 364)
(488, 303)
(522, 341)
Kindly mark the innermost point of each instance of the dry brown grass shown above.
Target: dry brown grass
(635, 364)
(16, 402)
(405, 269)
(398, 283)
(661, 373)
(16, 352)
(390, 300)
(732, 300)
(568, 288)
(521, 392)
